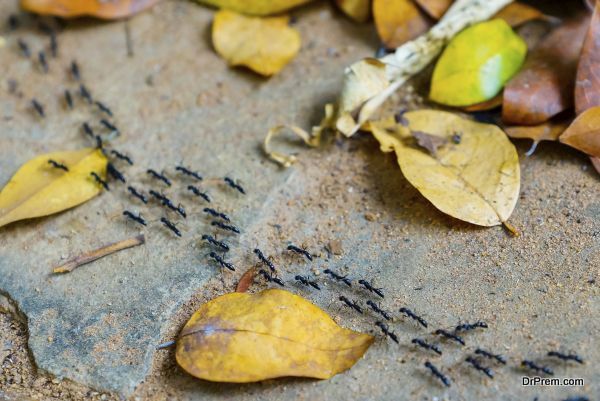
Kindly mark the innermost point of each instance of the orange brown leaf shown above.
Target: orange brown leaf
(587, 84)
(113, 9)
(517, 13)
(548, 131)
(435, 8)
(398, 21)
(584, 133)
(358, 10)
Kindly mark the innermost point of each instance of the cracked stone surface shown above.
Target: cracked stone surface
(176, 101)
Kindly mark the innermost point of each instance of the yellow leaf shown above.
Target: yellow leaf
(39, 189)
(240, 337)
(255, 7)
(264, 45)
(475, 178)
(358, 10)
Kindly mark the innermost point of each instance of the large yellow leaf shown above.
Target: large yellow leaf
(38, 189)
(240, 337)
(255, 7)
(264, 45)
(474, 176)
(477, 63)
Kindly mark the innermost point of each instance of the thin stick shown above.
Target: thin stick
(89, 257)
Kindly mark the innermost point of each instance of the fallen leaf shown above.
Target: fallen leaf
(596, 163)
(587, 83)
(398, 21)
(246, 280)
(264, 45)
(545, 85)
(38, 189)
(584, 133)
(358, 10)
(475, 179)
(493, 103)
(477, 63)
(113, 9)
(517, 13)
(241, 337)
(255, 7)
(548, 131)
(435, 8)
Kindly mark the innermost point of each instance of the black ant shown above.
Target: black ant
(199, 193)
(138, 195)
(271, 278)
(413, 316)
(43, 61)
(53, 45)
(377, 309)
(13, 22)
(159, 176)
(475, 364)
(234, 185)
(99, 143)
(122, 156)
(99, 180)
(189, 172)
(350, 304)
(58, 165)
(225, 227)
(162, 198)
(221, 261)
(75, 70)
(264, 259)
(456, 138)
(68, 99)
(370, 287)
(533, 366)
(450, 336)
(88, 130)
(306, 281)
(577, 398)
(104, 108)
(170, 226)
(400, 119)
(38, 107)
(499, 358)
(213, 241)
(384, 327)
(214, 213)
(116, 174)
(137, 219)
(24, 48)
(109, 126)
(471, 326)
(179, 209)
(338, 277)
(85, 93)
(300, 251)
(565, 357)
(424, 344)
(443, 378)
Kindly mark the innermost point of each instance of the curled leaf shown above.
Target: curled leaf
(255, 7)
(477, 63)
(113, 9)
(39, 189)
(281, 158)
(241, 337)
(435, 8)
(544, 87)
(548, 131)
(584, 132)
(398, 21)
(358, 10)
(264, 45)
(587, 84)
(475, 177)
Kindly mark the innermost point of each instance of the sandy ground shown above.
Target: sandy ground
(176, 100)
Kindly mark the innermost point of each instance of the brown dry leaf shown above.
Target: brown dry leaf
(435, 8)
(264, 45)
(584, 133)
(113, 9)
(518, 13)
(241, 337)
(548, 131)
(255, 7)
(596, 163)
(544, 87)
(358, 10)
(38, 189)
(476, 180)
(587, 84)
(398, 21)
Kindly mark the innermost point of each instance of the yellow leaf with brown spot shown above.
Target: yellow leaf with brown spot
(40, 189)
(113, 9)
(398, 21)
(241, 337)
(474, 176)
(264, 45)
(255, 7)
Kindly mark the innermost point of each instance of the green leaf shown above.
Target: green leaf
(477, 63)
